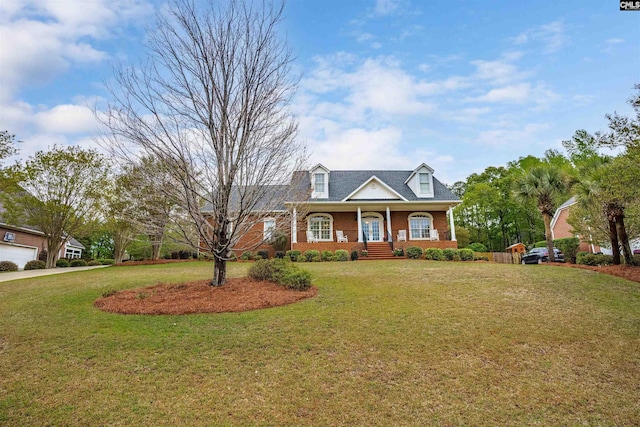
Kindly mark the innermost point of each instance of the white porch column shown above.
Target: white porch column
(389, 224)
(453, 226)
(294, 226)
(359, 225)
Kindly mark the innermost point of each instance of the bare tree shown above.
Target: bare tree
(211, 104)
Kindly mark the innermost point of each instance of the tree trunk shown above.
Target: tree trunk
(624, 240)
(156, 245)
(219, 271)
(547, 233)
(615, 244)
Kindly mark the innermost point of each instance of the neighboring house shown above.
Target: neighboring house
(21, 244)
(354, 210)
(561, 229)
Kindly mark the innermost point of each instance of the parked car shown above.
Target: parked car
(540, 255)
(636, 251)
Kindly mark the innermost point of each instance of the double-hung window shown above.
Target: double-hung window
(318, 183)
(269, 228)
(320, 226)
(419, 226)
(425, 187)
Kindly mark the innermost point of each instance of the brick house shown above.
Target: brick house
(357, 209)
(561, 229)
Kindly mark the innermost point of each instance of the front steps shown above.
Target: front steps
(378, 250)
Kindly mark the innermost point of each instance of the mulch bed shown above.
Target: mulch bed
(625, 271)
(237, 295)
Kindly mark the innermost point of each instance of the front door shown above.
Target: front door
(371, 227)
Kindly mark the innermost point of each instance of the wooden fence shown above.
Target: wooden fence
(507, 258)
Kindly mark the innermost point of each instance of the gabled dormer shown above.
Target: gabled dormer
(319, 177)
(421, 181)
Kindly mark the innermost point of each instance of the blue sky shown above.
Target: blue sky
(386, 84)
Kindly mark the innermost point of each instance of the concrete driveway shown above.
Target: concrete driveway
(25, 274)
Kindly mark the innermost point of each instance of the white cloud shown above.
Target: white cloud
(385, 7)
(610, 45)
(67, 119)
(40, 39)
(551, 35)
(512, 135)
(510, 94)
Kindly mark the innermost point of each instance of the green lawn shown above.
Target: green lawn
(383, 343)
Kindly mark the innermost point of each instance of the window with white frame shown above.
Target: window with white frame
(71, 253)
(269, 228)
(425, 185)
(319, 183)
(321, 225)
(420, 226)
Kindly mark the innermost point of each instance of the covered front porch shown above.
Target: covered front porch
(356, 227)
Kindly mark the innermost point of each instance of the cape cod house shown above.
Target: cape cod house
(376, 210)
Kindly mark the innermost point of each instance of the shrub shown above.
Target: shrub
(354, 255)
(540, 244)
(35, 265)
(166, 256)
(246, 256)
(279, 241)
(466, 254)
(94, 262)
(477, 247)
(435, 254)
(257, 257)
(327, 255)
(293, 254)
(414, 252)
(42, 256)
(299, 280)
(232, 256)
(301, 258)
(78, 263)
(280, 254)
(398, 252)
(311, 254)
(481, 258)
(106, 261)
(184, 254)
(263, 253)
(62, 263)
(174, 255)
(594, 259)
(569, 246)
(451, 254)
(364, 253)
(342, 255)
(282, 272)
(8, 266)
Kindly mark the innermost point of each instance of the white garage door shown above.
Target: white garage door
(18, 254)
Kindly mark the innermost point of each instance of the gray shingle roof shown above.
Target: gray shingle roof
(343, 183)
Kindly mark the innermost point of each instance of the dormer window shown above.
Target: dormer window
(319, 177)
(319, 185)
(425, 184)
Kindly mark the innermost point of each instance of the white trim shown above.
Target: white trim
(556, 216)
(269, 230)
(452, 225)
(380, 218)
(384, 184)
(359, 225)
(423, 165)
(326, 215)
(420, 214)
(294, 227)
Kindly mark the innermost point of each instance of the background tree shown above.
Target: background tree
(544, 185)
(211, 103)
(62, 190)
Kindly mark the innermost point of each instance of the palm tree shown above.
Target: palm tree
(544, 185)
(590, 192)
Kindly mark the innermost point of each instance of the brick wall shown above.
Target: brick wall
(23, 238)
(562, 229)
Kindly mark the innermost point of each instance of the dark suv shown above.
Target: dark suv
(540, 255)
